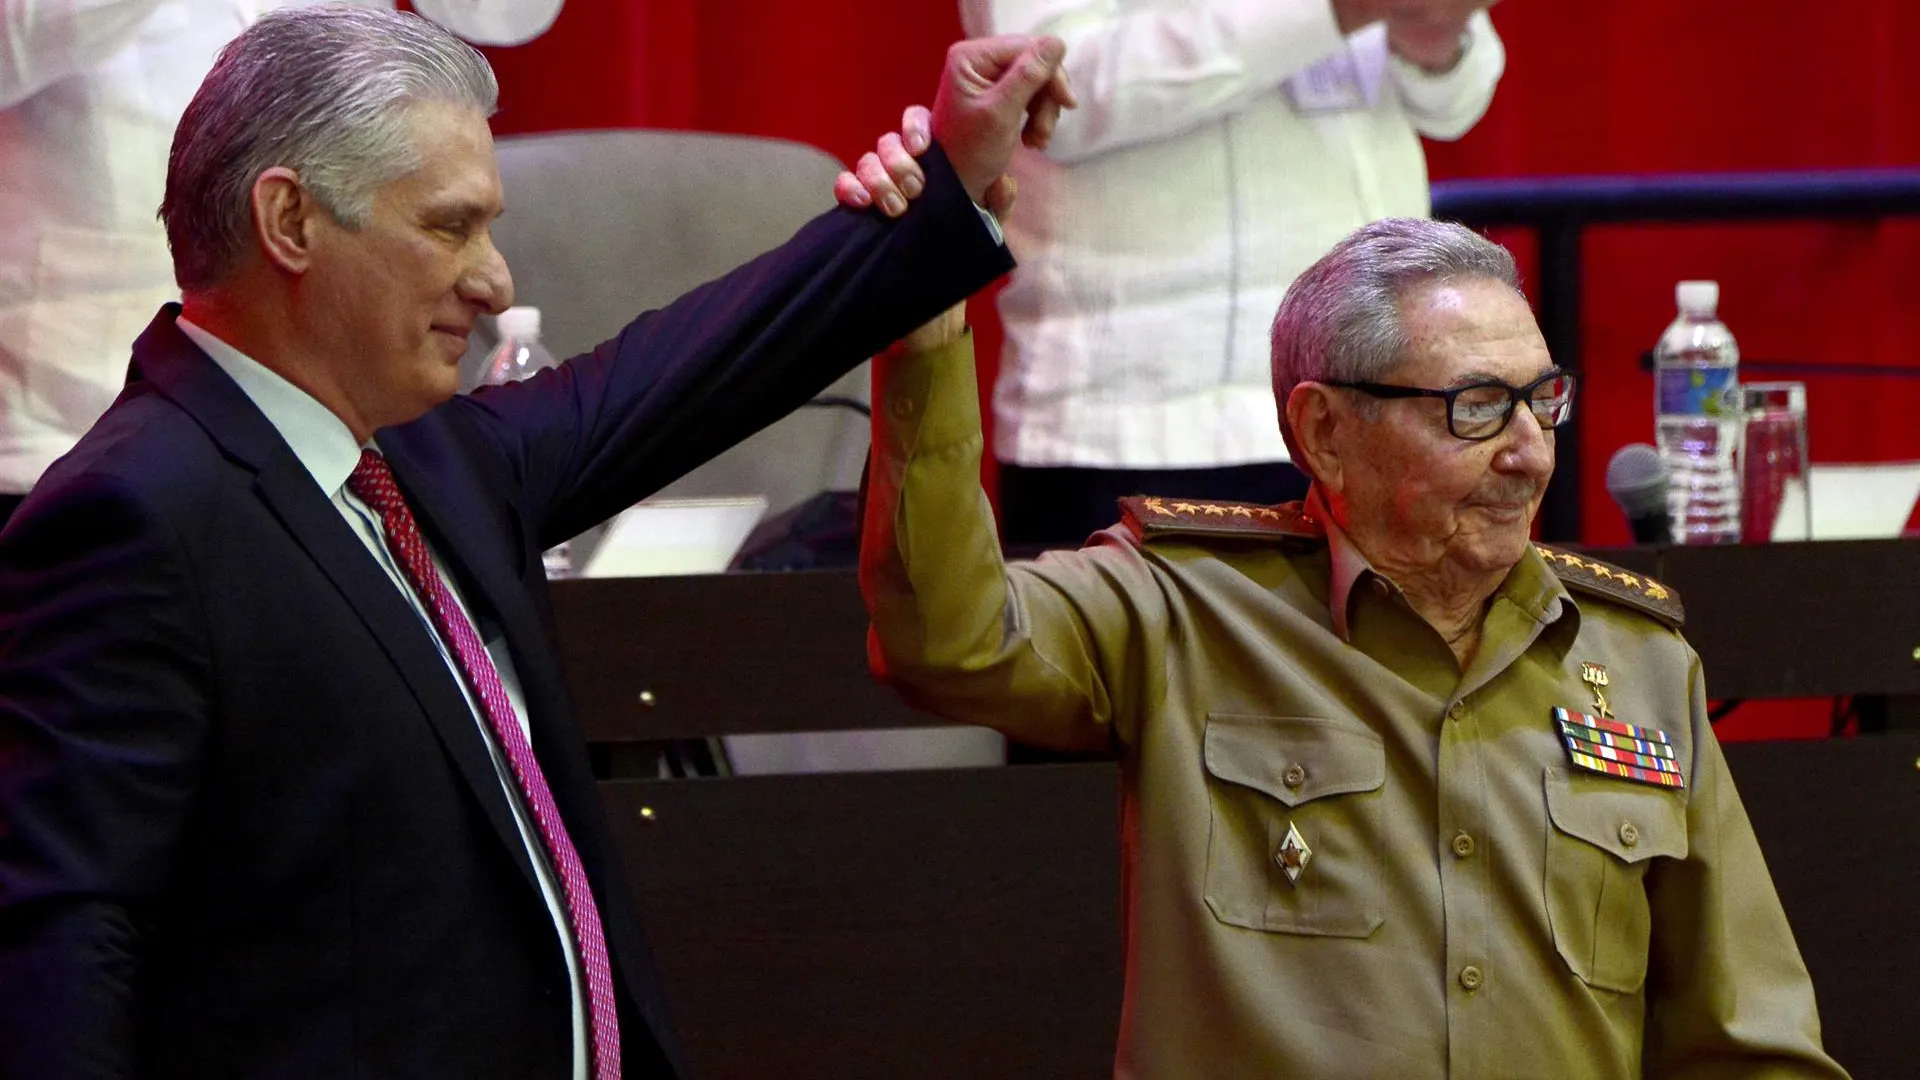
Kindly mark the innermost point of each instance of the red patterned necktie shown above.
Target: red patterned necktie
(372, 481)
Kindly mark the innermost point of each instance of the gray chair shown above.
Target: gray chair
(602, 225)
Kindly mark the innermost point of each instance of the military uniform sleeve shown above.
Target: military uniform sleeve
(1727, 993)
(1054, 652)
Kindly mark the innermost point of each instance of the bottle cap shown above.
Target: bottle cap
(520, 323)
(1697, 297)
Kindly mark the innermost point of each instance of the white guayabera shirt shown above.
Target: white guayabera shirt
(1220, 147)
(90, 92)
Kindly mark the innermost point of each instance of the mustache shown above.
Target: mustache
(1510, 493)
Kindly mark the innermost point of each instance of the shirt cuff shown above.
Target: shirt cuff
(993, 225)
(927, 402)
(1481, 54)
(492, 22)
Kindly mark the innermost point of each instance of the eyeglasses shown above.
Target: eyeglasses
(1482, 410)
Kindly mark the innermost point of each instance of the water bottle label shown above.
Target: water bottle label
(1692, 391)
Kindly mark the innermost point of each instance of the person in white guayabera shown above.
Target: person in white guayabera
(1220, 146)
(90, 91)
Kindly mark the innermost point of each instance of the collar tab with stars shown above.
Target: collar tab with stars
(1609, 582)
(1152, 517)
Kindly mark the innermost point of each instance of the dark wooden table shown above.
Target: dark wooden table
(687, 657)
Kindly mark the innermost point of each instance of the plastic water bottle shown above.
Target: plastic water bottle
(520, 355)
(1697, 405)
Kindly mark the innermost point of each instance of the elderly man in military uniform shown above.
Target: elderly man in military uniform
(1406, 795)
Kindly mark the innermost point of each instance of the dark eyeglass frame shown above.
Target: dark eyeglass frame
(1515, 395)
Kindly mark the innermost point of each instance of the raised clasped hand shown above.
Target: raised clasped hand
(995, 93)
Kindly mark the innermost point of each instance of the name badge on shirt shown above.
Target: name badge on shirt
(1332, 85)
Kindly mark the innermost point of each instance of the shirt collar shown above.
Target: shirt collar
(1347, 565)
(1530, 585)
(320, 439)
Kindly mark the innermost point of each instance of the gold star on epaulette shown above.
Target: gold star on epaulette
(1595, 578)
(1151, 516)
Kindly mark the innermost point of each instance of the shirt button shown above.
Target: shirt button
(1629, 833)
(1471, 978)
(1462, 845)
(1295, 775)
(1457, 712)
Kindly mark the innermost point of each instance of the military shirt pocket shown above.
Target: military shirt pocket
(1322, 777)
(1602, 836)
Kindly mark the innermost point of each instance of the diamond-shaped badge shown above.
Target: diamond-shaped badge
(1293, 855)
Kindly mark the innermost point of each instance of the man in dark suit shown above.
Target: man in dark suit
(289, 784)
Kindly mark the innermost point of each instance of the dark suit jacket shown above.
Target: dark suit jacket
(248, 826)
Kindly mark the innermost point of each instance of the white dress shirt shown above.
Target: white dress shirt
(90, 91)
(328, 451)
(1220, 147)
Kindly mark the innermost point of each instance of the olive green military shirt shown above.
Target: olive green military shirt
(1468, 904)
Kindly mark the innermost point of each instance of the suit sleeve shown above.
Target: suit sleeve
(103, 724)
(1727, 992)
(1058, 652)
(589, 438)
(1152, 71)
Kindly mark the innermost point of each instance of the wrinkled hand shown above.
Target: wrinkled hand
(888, 176)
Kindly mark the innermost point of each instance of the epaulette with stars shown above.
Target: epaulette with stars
(1151, 517)
(1637, 591)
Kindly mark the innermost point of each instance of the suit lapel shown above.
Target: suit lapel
(289, 489)
(462, 515)
(167, 359)
(440, 487)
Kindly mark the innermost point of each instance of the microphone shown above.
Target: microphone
(1637, 478)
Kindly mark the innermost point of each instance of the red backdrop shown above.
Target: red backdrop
(1625, 86)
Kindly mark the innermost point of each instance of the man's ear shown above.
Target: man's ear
(283, 219)
(1317, 421)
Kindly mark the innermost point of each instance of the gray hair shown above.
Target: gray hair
(322, 91)
(1340, 320)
